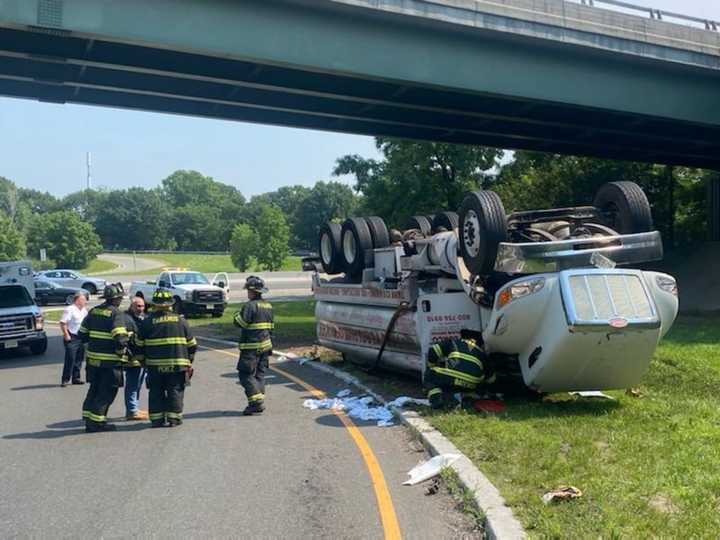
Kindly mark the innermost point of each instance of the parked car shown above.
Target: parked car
(193, 292)
(71, 278)
(49, 292)
(21, 322)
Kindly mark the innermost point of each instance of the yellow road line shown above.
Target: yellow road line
(390, 524)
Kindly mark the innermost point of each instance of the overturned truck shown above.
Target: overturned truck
(550, 290)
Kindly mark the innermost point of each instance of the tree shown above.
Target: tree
(12, 243)
(70, 241)
(89, 204)
(8, 197)
(243, 243)
(272, 236)
(289, 199)
(327, 201)
(198, 227)
(135, 218)
(417, 177)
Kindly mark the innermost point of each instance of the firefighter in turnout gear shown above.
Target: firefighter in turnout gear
(456, 366)
(104, 331)
(168, 348)
(255, 320)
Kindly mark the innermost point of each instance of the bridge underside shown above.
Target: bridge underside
(56, 66)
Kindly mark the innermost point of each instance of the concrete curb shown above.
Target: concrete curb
(500, 521)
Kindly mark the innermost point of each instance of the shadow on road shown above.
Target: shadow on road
(36, 387)
(17, 358)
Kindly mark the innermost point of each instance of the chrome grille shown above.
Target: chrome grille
(208, 297)
(600, 297)
(15, 325)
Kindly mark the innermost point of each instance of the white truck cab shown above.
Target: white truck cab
(21, 321)
(550, 290)
(194, 293)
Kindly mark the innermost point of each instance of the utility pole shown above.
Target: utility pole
(89, 175)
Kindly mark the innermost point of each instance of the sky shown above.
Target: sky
(44, 145)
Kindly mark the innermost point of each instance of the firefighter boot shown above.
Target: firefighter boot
(255, 407)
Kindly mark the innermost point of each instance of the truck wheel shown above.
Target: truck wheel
(445, 220)
(421, 223)
(39, 347)
(483, 225)
(89, 287)
(330, 249)
(378, 232)
(625, 206)
(356, 240)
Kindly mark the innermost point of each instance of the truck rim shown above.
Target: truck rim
(349, 247)
(326, 249)
(471, 238)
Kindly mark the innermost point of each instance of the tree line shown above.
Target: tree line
(190, 211)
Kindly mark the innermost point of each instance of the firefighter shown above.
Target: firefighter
(104, 331)
(255, 320)
(168, 348)
(456, 366)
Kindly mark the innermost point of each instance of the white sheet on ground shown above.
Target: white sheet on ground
(362, 408)
(430, 468)
(592, 394)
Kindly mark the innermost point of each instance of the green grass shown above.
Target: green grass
(207, 264)
(648, 466)
(97, 265)
(294, 323)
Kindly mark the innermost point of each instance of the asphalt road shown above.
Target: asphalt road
(291, 473)
(128, 263)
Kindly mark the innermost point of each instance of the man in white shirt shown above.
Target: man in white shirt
(74, 350)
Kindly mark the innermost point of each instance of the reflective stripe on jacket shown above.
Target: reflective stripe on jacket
(255, 320)
(460, 362)
(106, 335)
(166, 341)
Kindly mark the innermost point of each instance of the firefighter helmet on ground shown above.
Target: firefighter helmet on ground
(161, 297)
(112, 291)
(254, 283)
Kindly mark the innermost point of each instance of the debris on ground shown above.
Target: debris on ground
(489, 406)
(634, 392)
(430, 468)
(592, 394)
(363, 407)
(563, 493)
(433, 488)
(344, 393)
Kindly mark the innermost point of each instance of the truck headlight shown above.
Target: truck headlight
(188, 295)
(519, 290)
(39, 322)
(667, 284)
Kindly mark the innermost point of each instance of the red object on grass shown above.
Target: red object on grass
(489, 405)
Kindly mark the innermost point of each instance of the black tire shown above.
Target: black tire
(445, 220)
(421, 223)
(355, 241)
(89, 287)
(330, 249)
(41, 301)
(378, 232)
(217, 314)
(483, 225)
(39, 347)
(625, 207)
(69, 299)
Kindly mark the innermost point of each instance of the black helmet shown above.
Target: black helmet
(113, 291)
(254, 283)
(161, 297)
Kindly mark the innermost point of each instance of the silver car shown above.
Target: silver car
(71, 278)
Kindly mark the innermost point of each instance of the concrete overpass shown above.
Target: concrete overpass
(552, 75)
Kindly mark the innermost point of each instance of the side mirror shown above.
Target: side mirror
(221, 284)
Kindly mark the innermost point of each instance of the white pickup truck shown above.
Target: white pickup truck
(21, 321)
(194, 293)
(550, 290)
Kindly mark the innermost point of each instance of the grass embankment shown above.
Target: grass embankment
(97, 265)
(207, 264)
(648, 466)
(294, 323)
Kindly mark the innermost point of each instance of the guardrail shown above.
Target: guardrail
(657, 14)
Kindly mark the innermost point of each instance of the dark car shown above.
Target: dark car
(49, 292)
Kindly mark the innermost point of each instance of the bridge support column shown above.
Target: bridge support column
(714, 208)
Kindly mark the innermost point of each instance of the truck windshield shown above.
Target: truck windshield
(189, 278)
(14, 296)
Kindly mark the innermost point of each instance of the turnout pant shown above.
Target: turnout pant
(442, 389)
(74, 355)
(104, 384)
(166, 395)
(252, 367)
